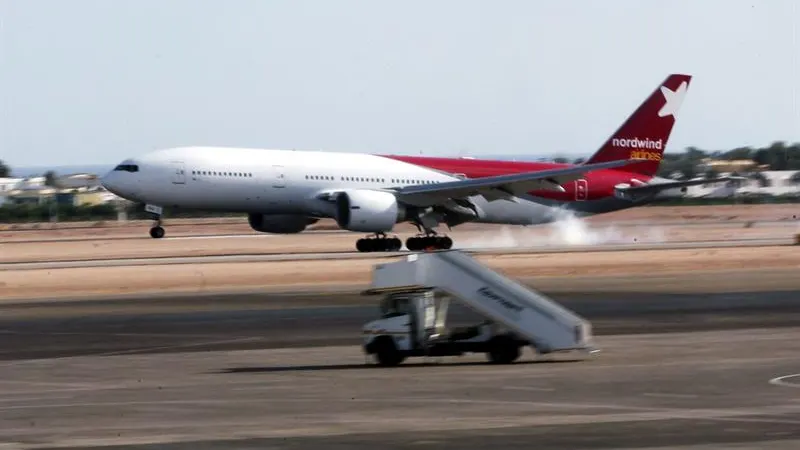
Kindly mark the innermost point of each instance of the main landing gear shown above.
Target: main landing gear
(418, 243)
(379, 243)
(428, 240)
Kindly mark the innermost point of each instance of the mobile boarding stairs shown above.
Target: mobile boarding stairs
(417, 291)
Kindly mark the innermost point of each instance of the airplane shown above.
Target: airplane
(285, 191)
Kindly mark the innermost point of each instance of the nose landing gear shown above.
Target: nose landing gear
(156, 231)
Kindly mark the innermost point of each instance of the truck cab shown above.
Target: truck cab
(413, 324)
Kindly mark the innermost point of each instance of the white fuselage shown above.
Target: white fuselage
(281, 181)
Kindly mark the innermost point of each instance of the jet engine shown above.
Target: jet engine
(368, 211)
(279, 223)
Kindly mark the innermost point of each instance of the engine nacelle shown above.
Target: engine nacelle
(368, 211)
(279, 223)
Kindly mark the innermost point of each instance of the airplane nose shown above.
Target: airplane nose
(112, 183)
(107, 181)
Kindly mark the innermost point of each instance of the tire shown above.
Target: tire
(156, 232)
(386, 353)
(413, 244)
(396, 244)
(503, 350)
(447, 243)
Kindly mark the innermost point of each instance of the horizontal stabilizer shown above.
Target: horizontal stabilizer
(640, 191)
(658, 187)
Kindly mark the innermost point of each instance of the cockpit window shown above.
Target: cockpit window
(127, 167)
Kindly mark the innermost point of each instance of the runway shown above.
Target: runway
(296, 320)
(336, 255)
(283, 371)
(200, 236)
(146, 236)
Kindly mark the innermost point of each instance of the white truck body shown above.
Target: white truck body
(414, 315)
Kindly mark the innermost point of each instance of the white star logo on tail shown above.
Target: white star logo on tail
(673, 100)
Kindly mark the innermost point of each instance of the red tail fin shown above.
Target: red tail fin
(645, 133)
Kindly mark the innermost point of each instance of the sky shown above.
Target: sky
(95, 82)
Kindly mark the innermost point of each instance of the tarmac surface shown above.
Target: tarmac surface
(281, 371)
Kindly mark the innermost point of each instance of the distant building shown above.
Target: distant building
(768, 182)
(81, 197)
(83, 191)
(733, 165)
(30, 195)
(31, 183)
(9, 184)
(77, 180)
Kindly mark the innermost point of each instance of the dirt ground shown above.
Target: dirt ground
(642, 225)
(336, 273)
(185, 227)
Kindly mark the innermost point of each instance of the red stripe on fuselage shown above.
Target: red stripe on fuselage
(600, 183)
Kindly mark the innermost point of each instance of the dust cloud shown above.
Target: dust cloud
(566, 230)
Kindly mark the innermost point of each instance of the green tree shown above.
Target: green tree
(738, 153)
(5, 171)
(761, 157)
(50, 179)
(793, 156)
(776, 156)
(779, 156)
(695, 154)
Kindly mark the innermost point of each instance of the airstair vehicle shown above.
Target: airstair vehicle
(417, 293)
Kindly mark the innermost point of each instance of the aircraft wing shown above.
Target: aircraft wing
(505, 187)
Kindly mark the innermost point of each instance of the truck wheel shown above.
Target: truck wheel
(503, 350)
(386, 352)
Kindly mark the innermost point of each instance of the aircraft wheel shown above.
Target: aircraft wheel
(395, 244)
(156, 232)
(364, 245)
(414, 244)
(379, 245)
(419, 243)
